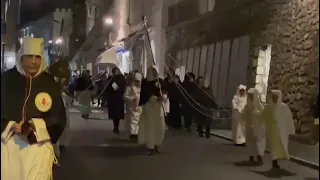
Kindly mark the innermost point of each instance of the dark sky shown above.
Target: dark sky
(34, 9)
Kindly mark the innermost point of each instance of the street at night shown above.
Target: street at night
(94, 153)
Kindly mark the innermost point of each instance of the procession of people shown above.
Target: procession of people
(35, 120)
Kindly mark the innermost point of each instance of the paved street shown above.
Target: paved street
(95, 154)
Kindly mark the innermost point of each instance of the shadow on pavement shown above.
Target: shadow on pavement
(311, 178)
(275, 173)
(244, 164)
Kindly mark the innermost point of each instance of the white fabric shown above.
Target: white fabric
(238, 128)
(284, 123)
(254, 124)
(31, 46)
(133, 111)
(151, 124)
(166, 103)
(138, 76)
(115, 86)
(21, 161)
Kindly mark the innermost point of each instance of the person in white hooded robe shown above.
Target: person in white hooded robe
(33, 116)
(133, 110)
(152, 120)
(255, 127)
(239, 101)
(279, 125)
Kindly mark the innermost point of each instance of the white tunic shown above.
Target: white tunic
(279, 125)
(133, 111)
(21, 161)
(238, 128)
(254, 124)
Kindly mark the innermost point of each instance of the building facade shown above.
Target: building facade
(10, 14)
(259, 43)
(56, 29)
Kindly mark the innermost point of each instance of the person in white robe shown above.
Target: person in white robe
(239, 101)
(255, 127)
(32, 116)
(279, 125)
(152, 120)
(133, 110)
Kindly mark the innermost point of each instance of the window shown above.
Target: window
(206, 6)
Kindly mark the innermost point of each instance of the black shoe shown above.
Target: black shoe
(251, 159)
(259, 161)
(201, 135)
(150, 152)
(275, 164)
(116, 131)
(156, 149)
(188, 129)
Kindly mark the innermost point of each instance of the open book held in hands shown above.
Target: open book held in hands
(115, 86)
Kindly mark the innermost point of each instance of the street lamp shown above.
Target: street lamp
(59, 41)
(108, 21)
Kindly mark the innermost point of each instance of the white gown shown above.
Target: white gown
(238, 128)
(133, 111)
(21, 161)
(279, 125)
(255, 126)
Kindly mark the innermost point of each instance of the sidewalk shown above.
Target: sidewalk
(304, 154)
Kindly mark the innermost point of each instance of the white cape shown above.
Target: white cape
(151, 124)
(255, 126)
(238, 127)
(133, 111)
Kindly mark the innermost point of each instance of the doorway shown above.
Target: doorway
(262, 71)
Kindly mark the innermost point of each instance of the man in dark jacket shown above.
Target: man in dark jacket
(33, 115)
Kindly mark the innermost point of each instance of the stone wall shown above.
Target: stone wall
(289, 26)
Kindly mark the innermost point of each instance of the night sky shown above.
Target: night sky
(34, 9)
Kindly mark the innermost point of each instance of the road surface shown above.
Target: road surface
(95, 154)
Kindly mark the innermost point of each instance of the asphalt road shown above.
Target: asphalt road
(95, 154)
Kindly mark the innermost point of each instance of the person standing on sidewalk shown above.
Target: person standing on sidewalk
(115, 92)
(239, 101)
(84, 90)
(279, 125)
(255, 127)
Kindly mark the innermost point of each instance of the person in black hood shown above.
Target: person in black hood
(33, 115)
(115, 93)
(206, 104)
(174, 117)
(187, 110)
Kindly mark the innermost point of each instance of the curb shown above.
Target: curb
(292, 158)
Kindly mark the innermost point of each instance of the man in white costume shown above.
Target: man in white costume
(133, 110)
(152, 121)
(32, 116)
(279, 125)
(255, 127)
(239, 101)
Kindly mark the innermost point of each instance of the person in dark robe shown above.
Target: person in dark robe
(33, 115)
(115, 93)
(174, 116)
(205, 104)
(188, 111)
(152, 120)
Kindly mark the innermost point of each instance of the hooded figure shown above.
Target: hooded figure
(133, 111)
(152, 121)
(33, 116)
(115, 92)
(255, 127)
(279, 125)
(239, 101)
